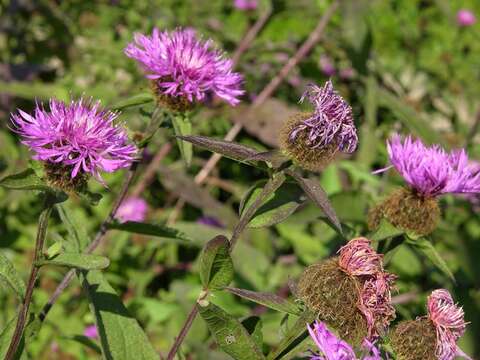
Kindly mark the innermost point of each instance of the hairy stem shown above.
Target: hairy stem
(23, 314)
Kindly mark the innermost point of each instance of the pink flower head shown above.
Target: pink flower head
(182, 65)
(331, 347)
(376, 303)
(132, 209)
(358, 258)
(80, 135)
(466, 18)
(245, 4)
(331, 121)
(449, 322)
(432, 171)
(327, 66)
(91, 332)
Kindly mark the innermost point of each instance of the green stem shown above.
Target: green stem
(40, 240)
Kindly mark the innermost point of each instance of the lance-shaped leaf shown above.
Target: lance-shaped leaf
(229, 334)
(6, 337)
(316, 194)
(77, 261)
(269, 300)
(136, 100)
(295, 335)
(156, 230)
(216, 266)
(253, 325)
(385, 230)
(274, 158)
(183, 127)
(276, 207)
(121, 337)
(25, 180)
(424, 245)
(10, 277)
(77, 238)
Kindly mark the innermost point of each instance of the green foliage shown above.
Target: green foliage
(10, 277)
(216, 266)
(77, 261)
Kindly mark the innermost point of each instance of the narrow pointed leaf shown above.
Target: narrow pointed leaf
(6, 337)
(136, 100)
(385, 231)
(253, 325)
(216, 266)
(77, 238)
(182, 126)
(274, 158)
(156, 230)
(424, 245)
(316, 194)
(121, 337)
(10, 277)
(269, 300)
(77, 261)
(229, 334)
(25, 180)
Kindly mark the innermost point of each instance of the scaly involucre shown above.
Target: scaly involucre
(183, 66)
(432, 171)
(81, 136)
(449, 322)
(331, 121)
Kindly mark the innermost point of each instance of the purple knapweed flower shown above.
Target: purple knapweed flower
(432, 171)
(358, 258)
(81, 136)
(347, 73)
(132, 209)
(91, 332)
(466, 18)
(449, 322)
(333, 348)
(326, 66)
(331, 122)
(183, 66)
(245, 4)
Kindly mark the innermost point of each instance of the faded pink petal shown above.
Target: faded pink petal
(358, 258)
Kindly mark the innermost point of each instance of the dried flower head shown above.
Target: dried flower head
(448, 319)
(132, 209)
(312, 139)
(358, 258)
(184, 69)
(466, 18)
(79, 138)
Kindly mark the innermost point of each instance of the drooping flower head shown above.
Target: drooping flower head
(132, 209)
(79, 137)
(183, 67)
(430, 170)
(358, 258)
(245, 4)
(449, 322)
(91, 332)
(466, 18)
(333, 348)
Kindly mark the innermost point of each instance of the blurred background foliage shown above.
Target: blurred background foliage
(404, 66)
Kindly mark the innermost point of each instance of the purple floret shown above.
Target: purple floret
(183, 66)
(81, 136)
(331, 122)
(432, 171)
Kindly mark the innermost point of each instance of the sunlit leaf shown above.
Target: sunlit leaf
(216, 266)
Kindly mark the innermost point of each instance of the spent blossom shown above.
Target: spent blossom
(358, 258)
(333, 348)
(466, 18)
(132, 209)
(183, 66)
(331, 121)
(430, 170)
(448, 319)
(81, 136)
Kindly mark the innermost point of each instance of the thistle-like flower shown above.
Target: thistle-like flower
(312, 139)
(358, 258)
(333, 348)
(448, 319)
(91, 332)
(74, 140)
(184, 69)
(132, 209)
(429, 172)
(466, 18)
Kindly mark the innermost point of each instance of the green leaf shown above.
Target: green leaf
(25, 180)
(85, 341)
(121, 337)
(136, 100)
(269, 300)
(385, 231)
(182, 126)
(9, 276)
(316, 194)
(296, 334)
(229, 334)
(6, 337)
(77, 261)
(216, 266)
(90, 197)
(253, 324)
(77, 236)
(424, 245)
(55, 249)
(276, 207)
(156, 230)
